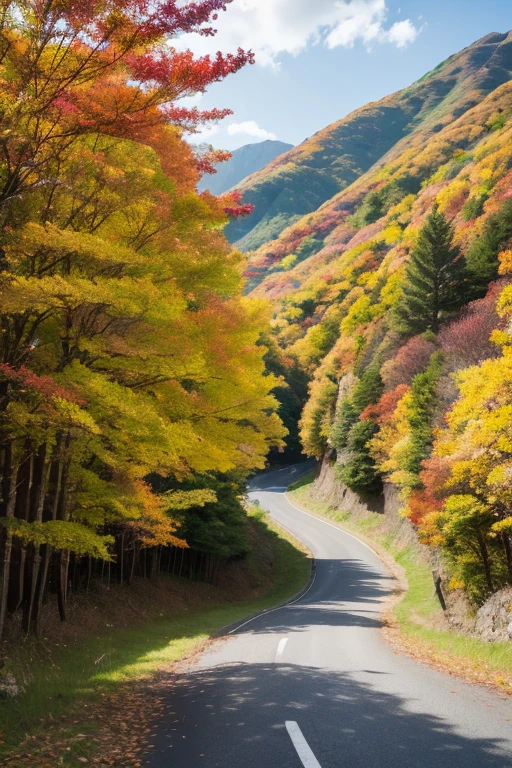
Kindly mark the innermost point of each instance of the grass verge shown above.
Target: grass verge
(415, 620)
(60, 718)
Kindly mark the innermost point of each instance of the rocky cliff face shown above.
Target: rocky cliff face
(331, 491)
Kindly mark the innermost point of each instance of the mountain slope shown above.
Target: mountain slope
(304, 178)
(406, 335)
(244, 161)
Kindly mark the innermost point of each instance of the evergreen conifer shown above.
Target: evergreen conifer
(435, 278)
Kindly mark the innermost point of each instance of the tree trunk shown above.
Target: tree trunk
(30, 614)
(57, 465)
(6, 544)
(121, 558)
(63, 514)
(62, 583)
(508, 553)
(21, 512)
(485, 561)
(134, 558)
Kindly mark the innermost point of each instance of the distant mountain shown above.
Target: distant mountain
(244, 162)
(300, 181)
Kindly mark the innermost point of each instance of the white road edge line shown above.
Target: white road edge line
(319, 519)
(279, 607)
(302, 747)
(336, 527)
(281, 646)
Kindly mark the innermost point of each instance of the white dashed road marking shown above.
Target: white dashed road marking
(302, 747)
(281, 647)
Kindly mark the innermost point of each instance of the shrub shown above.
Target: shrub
(412, 358)
(474, 207)
(360, 472)
(467, 341)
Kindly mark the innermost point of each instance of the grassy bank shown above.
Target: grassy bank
(417, 625)
(80, 703)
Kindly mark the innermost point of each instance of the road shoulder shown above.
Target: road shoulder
(94, 703)
(412, 628)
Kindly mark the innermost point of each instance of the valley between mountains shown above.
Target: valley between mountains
(255, 410)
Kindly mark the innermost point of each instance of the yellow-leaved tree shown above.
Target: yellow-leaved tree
(127, 352)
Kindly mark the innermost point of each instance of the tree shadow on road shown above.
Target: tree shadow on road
(234, 716)
(356, 592)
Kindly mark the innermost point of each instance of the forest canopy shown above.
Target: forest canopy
(129, 361)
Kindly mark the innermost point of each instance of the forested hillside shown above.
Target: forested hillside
(330, 161)
(132, 383)
(243, 162)
(395, 298)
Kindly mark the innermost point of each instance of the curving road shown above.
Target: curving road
(314, 684)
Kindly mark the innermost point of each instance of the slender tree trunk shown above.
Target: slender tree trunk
(89, 572)
(508, 553)
(485, 561)
(30, 614)
(46, 550)
(24, 499)
(62, 586)
(63, 514)
(134, 557)
(121, 558)
(6, 544)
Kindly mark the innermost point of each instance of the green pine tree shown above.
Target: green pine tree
(482, 258)
(435, 278)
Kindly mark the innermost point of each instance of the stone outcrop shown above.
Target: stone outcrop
(494, 618)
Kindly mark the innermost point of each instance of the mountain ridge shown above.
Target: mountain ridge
(244, 162)
(309, 175)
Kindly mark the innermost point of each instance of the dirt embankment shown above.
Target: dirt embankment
(493, 620)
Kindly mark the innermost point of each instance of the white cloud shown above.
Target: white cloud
(273, 27)
(246, 131)
(402, 33)
(250, 128)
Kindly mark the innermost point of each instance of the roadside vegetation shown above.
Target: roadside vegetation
(416, 623)
(133, 386)
(85, 699)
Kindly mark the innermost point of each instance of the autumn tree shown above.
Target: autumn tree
(482, 256)
(474, 521)
(126, 350)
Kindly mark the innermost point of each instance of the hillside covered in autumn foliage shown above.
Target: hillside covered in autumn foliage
(394, 298)
(300, 181)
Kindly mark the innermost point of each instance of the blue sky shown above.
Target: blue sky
(317, 60)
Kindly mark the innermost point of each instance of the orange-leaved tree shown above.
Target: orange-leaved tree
(126, 350)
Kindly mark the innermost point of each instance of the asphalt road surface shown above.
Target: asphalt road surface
(315, 684)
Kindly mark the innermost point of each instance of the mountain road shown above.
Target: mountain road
(315, 684)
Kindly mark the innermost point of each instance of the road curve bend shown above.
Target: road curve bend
(314, 683)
